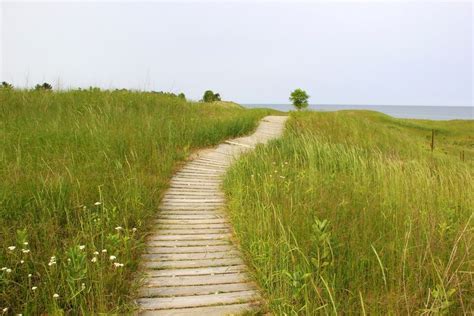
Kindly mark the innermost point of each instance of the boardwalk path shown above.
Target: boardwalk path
(191, 265)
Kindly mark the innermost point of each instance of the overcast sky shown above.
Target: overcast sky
(407, 53)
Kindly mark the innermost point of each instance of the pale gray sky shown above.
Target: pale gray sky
(407, 53)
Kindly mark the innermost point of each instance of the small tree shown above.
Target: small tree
(299, 98)
(45, 86)
(208, 96)
(6, 85)
(217, 97)
(182, 96)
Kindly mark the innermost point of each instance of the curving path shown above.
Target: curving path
(191, 265)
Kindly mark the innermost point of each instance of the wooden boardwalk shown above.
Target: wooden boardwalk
(191, 265)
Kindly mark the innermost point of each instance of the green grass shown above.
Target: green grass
(352, 213)
(82, 173)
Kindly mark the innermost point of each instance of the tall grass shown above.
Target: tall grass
(351, 213)
(81, 174)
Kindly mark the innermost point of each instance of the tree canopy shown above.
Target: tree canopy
(6, 85)
(44, 86)
(299, 98)
(210, 96)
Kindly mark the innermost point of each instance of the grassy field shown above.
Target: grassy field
(81, 174)
(351, 212)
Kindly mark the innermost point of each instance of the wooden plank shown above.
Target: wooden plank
(195, 205)
(203, 249)
(199, 173)
(196, 231)
(204, 199)
(196, 271)
(191, 221)
(190, 216)
(189, 237)
(191, 212)
(188, 243)
(193, 226)
(198, 300)
(190, 256)
(205, 169)
(189, 208)
(234, 309)
(180, 264)
(195, 290)
(196, 280)
(193, 194)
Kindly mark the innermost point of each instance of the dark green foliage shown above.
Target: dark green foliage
(299, 98)
(44, 86)
(6, 85)
(210, 96)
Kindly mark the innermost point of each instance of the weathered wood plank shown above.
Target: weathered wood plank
(193, 226)
(196, 280)
(196, 231)
(188, 243)
(190, 256)
(192, 263)
(191, 221)
(198, 300)
(189, 237)
(204, 249)
(197, 271)
(234, 309)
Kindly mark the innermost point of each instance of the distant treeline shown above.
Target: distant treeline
(209, 95)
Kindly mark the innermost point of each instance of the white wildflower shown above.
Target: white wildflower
(25, 243)
(81, 247)
(55, 295)
(5, 309)
(112, 258)
(94, 259)
(30, 275)
(22, 261)
(4, 268)
(96, 253)
(52, 261)
(83, 286)
(118, 265)
(25, 250)
(134, 229)
(11, 248)
(34, 288)
(97, 203)
(104, 250)
(8, 270)
(282, 177)
(118, 228)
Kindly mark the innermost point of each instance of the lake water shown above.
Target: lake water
(401, 111)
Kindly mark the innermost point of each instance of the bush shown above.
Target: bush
(6, 85)
(44, 86)
(210, 96)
